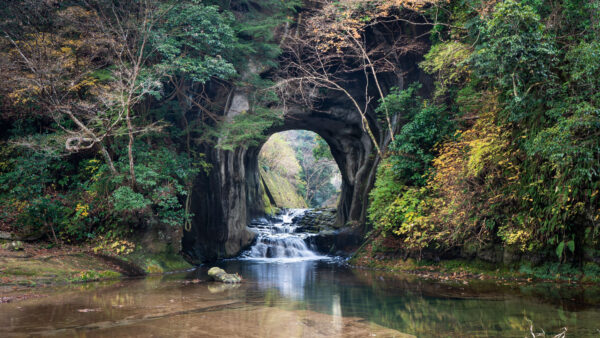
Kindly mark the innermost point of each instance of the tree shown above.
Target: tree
(333, 47)
(516, 57)
(318, 166)
(124, 53)
(69, 79)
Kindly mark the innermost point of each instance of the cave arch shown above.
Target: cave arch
(229, 196)
(225, 200)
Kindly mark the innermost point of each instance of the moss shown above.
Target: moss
(268, 207)
(58, 269)
(153, 267)
(172, 262)
(475, 265)
(109, 274)
(83, 267)
(14, 246)
(154, 263)
(477, 269)
(28, 283)
(93, 275)
(18, 271)
(283, 192)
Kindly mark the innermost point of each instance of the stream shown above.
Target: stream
(289, 290)
(279, 239)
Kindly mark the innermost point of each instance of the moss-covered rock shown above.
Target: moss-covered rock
(14, 246)
(220, 275)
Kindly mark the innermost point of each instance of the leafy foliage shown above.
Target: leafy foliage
(522, 171)
(516, 57)
(303, 159)
(194, 41)
(109, 105)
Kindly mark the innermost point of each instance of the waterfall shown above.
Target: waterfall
(278, 239)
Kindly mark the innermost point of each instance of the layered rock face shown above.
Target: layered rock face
(225, 200)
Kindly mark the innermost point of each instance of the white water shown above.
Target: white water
(278, 241)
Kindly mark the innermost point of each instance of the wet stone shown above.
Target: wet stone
(220, 275)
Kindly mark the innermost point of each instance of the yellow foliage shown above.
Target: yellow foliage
(82, 210)
(117, 247)
(278, 156)
(459, 189)
(519, 238)
(341, 22)
(49, 61)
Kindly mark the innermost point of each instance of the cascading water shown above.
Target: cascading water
(278, 239)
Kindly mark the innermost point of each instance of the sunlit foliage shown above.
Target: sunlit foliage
(523, 168)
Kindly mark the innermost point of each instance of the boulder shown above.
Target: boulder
(339, 242)
(316, 220)
(27, 234)
(14, 246)
(491, 253)
(219, 275)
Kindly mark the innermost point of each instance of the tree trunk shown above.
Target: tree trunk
(130, 149)
(108, 160)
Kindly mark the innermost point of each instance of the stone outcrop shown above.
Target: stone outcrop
(316, 220)
(225, 200)
(330, 238)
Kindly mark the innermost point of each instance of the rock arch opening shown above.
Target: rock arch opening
(297, 170)
(231, 194)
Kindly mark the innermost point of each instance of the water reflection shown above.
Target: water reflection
(290, 279)
(336, 311)
(428, 308)
(302, 299)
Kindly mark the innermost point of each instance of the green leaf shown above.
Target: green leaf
(571, 245)
(560, 249)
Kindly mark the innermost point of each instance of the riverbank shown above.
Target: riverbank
(24, 265)
(373, 256)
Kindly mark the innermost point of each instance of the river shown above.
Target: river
(305, 296)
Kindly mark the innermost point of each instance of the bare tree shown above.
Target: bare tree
(329, 51)
(61, 74)
(130, 29)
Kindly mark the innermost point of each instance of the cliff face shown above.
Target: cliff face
(224, 201)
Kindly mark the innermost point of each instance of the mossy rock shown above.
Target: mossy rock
(220, 275)
(14, 246)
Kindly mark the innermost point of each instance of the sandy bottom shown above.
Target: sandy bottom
(191, 310)
(242, 322)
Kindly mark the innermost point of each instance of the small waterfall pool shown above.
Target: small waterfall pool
(279, 239)
(290, 290)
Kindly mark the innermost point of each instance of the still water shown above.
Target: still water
(316, 298)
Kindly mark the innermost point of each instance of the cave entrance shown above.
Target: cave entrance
(297, 170)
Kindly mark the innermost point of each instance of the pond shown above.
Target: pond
(289, 290)
(306, 298)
